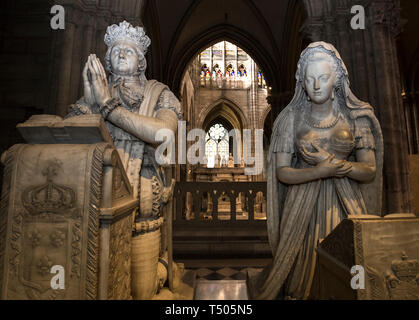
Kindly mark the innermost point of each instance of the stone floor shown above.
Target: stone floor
(221, 290)
(215, 279)
(223, 273)
(235, 269)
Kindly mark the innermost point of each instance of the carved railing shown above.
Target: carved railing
(203, 202)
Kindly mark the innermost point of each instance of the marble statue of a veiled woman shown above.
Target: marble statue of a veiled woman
(324, 163)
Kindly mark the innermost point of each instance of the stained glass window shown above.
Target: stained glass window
(242, 71)
(217, 143)
(228, 66)
(261, 80)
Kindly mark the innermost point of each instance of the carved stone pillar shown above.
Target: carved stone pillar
(385, 25)
(371, 58)
(414, 114)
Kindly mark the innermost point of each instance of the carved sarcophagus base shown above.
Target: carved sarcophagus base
(386, 248)
(66, 210)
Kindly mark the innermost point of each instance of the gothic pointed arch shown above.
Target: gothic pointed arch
(178, 62)
(226, 109)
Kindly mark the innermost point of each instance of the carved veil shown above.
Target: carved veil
(282, 140)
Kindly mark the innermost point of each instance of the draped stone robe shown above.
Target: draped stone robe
(309, 211)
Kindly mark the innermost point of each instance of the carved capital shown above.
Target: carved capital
(386, 13)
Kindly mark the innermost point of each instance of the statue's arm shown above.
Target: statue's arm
(289, 175)
(363, 170)
(144, 127)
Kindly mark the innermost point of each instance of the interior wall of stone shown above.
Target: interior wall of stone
(27, 52)
(41, 68)
(408, 50)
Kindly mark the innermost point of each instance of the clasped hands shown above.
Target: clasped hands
(96, 89)
(325, 163)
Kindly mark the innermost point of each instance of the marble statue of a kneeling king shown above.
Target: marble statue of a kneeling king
(134, 109)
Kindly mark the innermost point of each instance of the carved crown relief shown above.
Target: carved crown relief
(49, 197)
(401, 281)
(47, 233)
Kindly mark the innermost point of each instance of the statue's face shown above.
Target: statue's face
(319, 81)
(124, 58)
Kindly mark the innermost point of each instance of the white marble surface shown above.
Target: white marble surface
(221, 290)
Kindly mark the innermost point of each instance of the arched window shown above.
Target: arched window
(230, 71)
(242, 71)
(205, 74)
(227, 66)
(261, 80)
(216, 144)
(216, 72)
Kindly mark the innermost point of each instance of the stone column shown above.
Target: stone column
(413, 105)
(371, 58)
(385, 25)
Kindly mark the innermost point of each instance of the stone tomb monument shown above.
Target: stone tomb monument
(387, 249)
(66, 202)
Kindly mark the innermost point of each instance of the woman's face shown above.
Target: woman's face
(319, 81)
(124, 58)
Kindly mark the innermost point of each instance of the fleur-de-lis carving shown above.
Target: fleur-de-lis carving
(35, 237)
(44, 265)
(57, 238)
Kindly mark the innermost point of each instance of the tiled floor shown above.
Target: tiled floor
(223, 273)
(221, 290)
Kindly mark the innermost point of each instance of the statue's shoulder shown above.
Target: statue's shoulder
(285, 121)
(364, 128)
(158, 90)
(154, 85)
(363, 119)
(166, 98)
(282, 139)
(362, 114)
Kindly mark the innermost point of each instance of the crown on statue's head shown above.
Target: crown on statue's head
(125, 31)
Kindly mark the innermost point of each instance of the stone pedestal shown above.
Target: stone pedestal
(387, 249)
(65, 204)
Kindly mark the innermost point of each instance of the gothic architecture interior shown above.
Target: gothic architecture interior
(232, 67)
